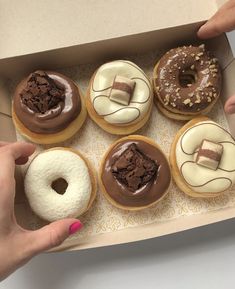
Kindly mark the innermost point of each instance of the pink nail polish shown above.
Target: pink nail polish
(75, 227)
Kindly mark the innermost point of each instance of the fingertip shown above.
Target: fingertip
(200, 32)
(74, 227)
(229, 106)
(21, 161)
(21, 149)
(52, 235)
(209, 30)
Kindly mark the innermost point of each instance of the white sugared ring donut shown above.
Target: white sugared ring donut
(200, 178)
(118, 111)
(44, 170)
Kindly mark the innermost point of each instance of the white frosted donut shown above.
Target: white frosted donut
(48, 167)
(113, 112)
(199, 178)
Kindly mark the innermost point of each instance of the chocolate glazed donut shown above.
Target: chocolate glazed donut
(187, 80)
(135, 173)
(46, 102)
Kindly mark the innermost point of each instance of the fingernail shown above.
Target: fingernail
(75, 227)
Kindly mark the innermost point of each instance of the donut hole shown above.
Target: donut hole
(187, 77)
(59, 185)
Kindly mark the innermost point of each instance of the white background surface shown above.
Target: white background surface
(200, 258)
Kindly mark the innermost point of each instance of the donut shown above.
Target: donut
(48, 107)
(60, 183)
(134, 173)
(202, 158)
(119, 97)
(186, 82)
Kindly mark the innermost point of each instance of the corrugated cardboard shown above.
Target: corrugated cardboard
(75, 32)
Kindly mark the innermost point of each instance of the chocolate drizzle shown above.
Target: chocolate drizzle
(42, 93)
(189, 165)
(134, 169)
(100, 95)
(157, 176)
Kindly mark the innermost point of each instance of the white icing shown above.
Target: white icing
(46, 168)
(116, 113)
(196, 175)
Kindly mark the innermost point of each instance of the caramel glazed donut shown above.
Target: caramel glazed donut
(48, 172)
(187, 82)
(48, 107)
(202, 158)
(119, 97)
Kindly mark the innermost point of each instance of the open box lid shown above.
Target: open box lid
(34, 26)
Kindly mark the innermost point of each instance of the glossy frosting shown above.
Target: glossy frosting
(192, 98)
(147, 193)
(199, 178)
(116, 113)
(55, 118)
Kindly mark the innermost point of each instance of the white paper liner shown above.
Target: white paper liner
(93, 142)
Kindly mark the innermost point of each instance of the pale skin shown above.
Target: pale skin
(17, 245)
(222, 21)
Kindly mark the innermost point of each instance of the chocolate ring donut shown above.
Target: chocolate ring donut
(48, 107)
(187, 82)
(135, 173)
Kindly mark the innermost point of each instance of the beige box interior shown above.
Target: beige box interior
(84, 32)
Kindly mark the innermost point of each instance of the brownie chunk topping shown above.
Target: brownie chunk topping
(134, 169)
(42, 93)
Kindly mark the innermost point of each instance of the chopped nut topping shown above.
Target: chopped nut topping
(191, 94)
(202, 46)
(192, 67)
(209, 84)
(186, 101)
(208, 99)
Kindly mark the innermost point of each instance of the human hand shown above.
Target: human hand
(17, 245)
(222, 21)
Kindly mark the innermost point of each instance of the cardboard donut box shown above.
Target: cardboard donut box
(44, 35)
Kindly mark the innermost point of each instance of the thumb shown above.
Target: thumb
(52, 235)
(229, 106)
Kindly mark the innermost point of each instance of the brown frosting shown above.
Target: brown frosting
(177, 90)
(46, 102)
(134, 169)
(135, 173)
